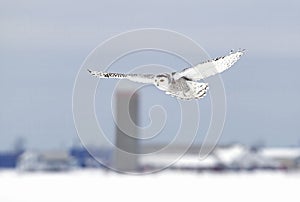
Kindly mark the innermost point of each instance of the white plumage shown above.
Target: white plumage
(181, 84)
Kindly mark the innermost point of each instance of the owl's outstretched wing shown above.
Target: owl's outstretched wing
(211, 67)
(140, 78)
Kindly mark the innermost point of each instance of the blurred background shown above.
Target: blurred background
(44, 43)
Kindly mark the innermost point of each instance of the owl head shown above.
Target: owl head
(162, 81)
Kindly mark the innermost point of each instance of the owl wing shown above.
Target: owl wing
(140, 78)
(211, 67)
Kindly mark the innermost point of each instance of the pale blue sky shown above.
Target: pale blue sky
(43, 44)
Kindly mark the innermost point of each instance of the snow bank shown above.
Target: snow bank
(95, 185)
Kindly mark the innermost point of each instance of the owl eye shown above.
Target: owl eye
(161, 80)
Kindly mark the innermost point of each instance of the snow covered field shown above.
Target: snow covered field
(95, 185)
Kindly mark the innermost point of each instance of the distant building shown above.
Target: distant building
(126, 144)
(231, 158)
(240, 157)
(289, 158)
(46, 161)
(189, 162)
(86, 160)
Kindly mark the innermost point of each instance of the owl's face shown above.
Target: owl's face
(162, 81)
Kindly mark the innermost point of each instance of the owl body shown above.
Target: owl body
(181, 88)
(182, 84)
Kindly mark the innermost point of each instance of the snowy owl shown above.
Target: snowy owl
(182, 84)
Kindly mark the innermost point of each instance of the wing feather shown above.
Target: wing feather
(141, 78)
(210, 68)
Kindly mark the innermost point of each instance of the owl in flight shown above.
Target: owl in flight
(182, 84)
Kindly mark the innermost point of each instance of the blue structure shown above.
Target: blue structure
(9, 159)
(85, 159)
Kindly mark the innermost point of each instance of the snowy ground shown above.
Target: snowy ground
(95, 185)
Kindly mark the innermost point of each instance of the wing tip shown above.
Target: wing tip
(240, 50)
